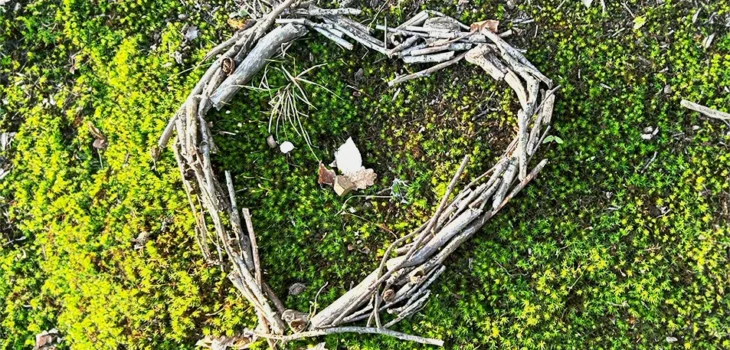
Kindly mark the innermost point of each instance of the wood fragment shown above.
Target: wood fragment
(514, 82)
(425, 72)
(510, 52)
(440, 48)
(254, 246)
(482, 55)
(709, 112)
(360, 36)
(436, 242)
(436, 58)
(252, 64)
(244, 245)
(507, 177)
(318, 12)
(522, 144)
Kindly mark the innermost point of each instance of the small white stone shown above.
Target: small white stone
(286, 147)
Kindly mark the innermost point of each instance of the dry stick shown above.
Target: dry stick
(427, 232)
(254, 246)
(509, 174)
(482, 200)
(544, 118)
(438, 240)
(425, 72)
(522, 144)
(406, 292)
(474, 226)
(230, 42)
(510, 52)
(483, 175)
(440, 48)
(514, 82)
(240, 269)
(330, 35)
(402, 46)
(252, 64)
(238, 282)
(409, 309)
(318, 12)
(426, 29)
(358, 35)
(248, 36)
(416, 20)
(408, 50)
(441, 14)
(705, 110)
(352, 296)
(257, 266)
(343, 306)
(359, 330)
(325, 29)
(522, 184)
(451, 208)
(435, 58)
(243, 245)
(274, 298)
(432, 33)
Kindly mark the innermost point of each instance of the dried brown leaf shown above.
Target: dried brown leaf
(363, 178)
(326, 176)
(491, 24)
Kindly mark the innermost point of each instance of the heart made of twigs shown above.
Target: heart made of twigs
(414, 261)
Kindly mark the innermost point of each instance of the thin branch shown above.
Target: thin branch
(705, 110)
(359, 330)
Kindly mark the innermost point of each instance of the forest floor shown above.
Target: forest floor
(621, 242)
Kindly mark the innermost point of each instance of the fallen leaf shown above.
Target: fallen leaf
(348, 157)
(588, 3)
(326, 176)
(490, 24)
(343, 185)
(363, 178)
(237, 23)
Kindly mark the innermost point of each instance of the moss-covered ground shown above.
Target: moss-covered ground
(621, 242)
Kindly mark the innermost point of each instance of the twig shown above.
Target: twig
(705, 110)
(435, 58)
(425, 72)
(254, 246)
(359, 330)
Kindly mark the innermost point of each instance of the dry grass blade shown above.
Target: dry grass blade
(286, 99)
